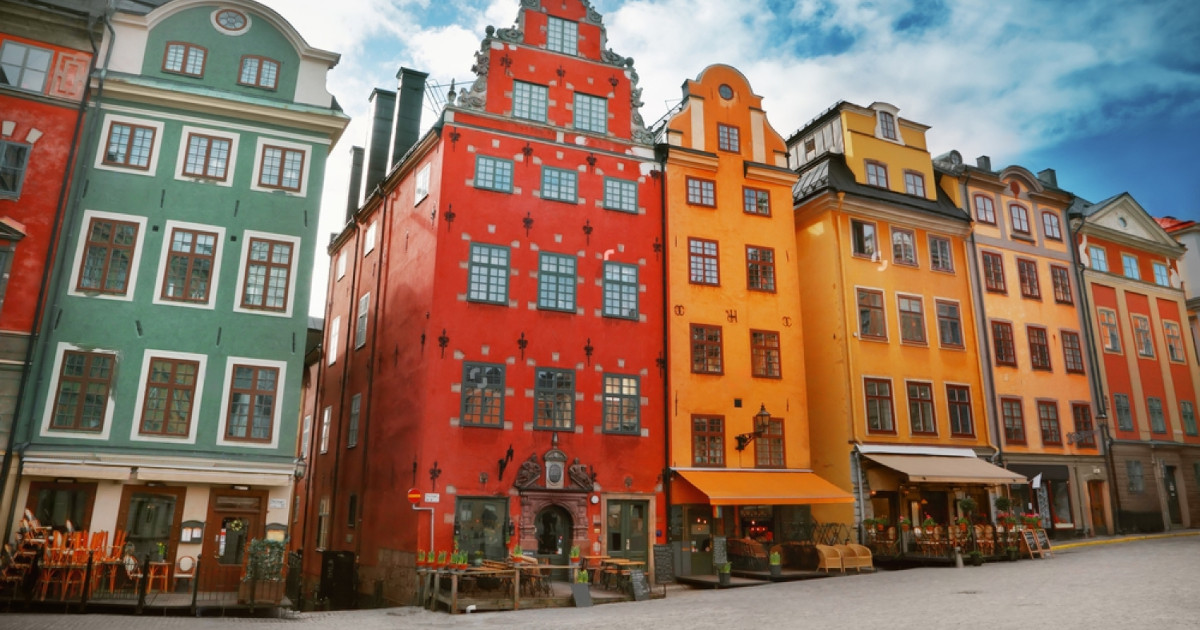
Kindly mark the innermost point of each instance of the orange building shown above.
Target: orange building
(885, 281)
(1147, 361)
(738, 416)
(1036, 363)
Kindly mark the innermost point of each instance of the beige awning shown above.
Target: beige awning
(939, 469)
(175, 475)
(77, 471)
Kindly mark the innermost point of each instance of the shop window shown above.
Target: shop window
(150, 521)
(53, 504)
(480, 524)
(1060, 504)
(1137, 482)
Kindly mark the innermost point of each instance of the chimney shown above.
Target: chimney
(356, 169)
(1048, 177)
(383, 104)
(984, 162)
(411, 91)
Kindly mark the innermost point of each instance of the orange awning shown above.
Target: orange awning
(764, 487)
(936, 469)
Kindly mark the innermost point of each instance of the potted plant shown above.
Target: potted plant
(420, 558)
(1013, 553)
(162, 551)
(575, 555)
(516, 552)
(928, 522)
(905, 524)
(724, 573)
(976, 557)
(776, 564)
(263, 581)
(1003, 504)
(441, 560)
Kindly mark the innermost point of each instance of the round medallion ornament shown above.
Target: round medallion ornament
(231, 20)
(725, 91)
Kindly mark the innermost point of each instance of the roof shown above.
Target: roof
(830, 172)
(1171, 224)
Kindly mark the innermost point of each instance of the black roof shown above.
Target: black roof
(830, 173)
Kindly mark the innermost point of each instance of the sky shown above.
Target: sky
(1105, 92)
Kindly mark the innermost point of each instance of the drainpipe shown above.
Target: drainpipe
(666, 347)
(985, 351)
(48, 266)
(850, 332)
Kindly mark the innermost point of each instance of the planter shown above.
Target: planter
(976, 561)
(723, 579)
(776, 570)
(261, 592)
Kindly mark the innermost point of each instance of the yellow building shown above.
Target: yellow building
(739, 447)
(890, 343)
(1036, 362)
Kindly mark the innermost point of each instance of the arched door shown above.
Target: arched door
(553, 529)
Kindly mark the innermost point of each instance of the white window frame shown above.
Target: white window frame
(168, 229)
(306, 436)
(155, 147)
(1162, 279)
(245, 261)
(421, 190)
(369, 238)
(281, 395)
(1130, 268)
(261, 145)
(230, 164)
(135, 434)
(46, 74)
(324, 438)
(52, 392)
(335, 332)
(81, 248)
(1097, 258)
(341, 265)
(360, 320)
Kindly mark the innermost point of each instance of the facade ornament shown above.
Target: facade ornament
(532, 4)
(528, 473)
(579, 475)
(514, 35)
(611, 58)
(593, 16)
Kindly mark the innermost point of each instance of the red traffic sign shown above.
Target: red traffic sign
(414, 496)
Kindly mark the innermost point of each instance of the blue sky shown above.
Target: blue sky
(1106, 93)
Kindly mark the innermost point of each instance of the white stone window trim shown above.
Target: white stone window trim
(281, 395)
(168, 231)
(245, 238)
(895, 112)
(81, 248)
(230, 164)
(260, 146)
(224, 31)
(135, 430)
(155, 147)
(52, 394)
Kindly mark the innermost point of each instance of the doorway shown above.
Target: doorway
(553, 529)
(150, 516)
(627, 535)
(234, 519)
(1173, 510)
(1096, 506)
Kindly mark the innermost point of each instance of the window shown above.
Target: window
(1142, 337)
(355, 413)
(1072, 351)
(863, 238)
(1124, 412)
(108, 256)
(81, 399)
(764, 354)
(622, 403)
(993, 272)
(341, 265)
(482, 395)
(1161, 275)
(1109, 334)
(129, 145)
(958, 399)
(558, 184)
(14, 158)
(1137, 483)
(1027, 272)
(920, 408)
(335, 333)
(940, 258)
(268, 275)
(871, 323)
(488, 274)
(360, 320)
(259, 72)
(877, 174)
(556, 282)
(949, 324)
(54, 502)
(706, 350)
(1061, 279)
(914, 183)
(1039, 347)
(912, 319)
(887, 125)
(727, 138)
(703, 264)
(879, 405)
(24, 67)
(529, 101)
(620, 194)
(620, 290)
(1174, 341)
(904, 249)
(323, 523)
(985, 210)
(351, 510)
(760, 268)
(252, 403)
(768, 448)
(1014, 420)
(1098, 257)
(305, 442)
(1158, 423)
(701, 192)
(1082, 414)
(183, 58)
(369, 238)
(1002, 339)
(421, 187)
(708, 441)
(207, 157)
(281, 168)
(554, 399)
(493, 173)
(1020, 219)
(1188, 412)
(1048, 419)
(324, 440)
(1051, 226)
(189, 266)
(755, 201)
(562, 36)
(1129, 263)
(591, 113)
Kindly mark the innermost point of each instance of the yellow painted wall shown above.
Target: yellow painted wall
(909, 154)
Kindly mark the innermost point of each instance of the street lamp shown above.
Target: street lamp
(761, 419)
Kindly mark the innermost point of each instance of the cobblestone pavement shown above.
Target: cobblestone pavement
(1136, 584)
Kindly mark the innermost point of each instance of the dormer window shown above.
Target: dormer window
(259, 72)
(887, 125)
(562, 36)
(182, 58)
(728, 138)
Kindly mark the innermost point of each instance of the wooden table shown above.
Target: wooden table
(616, 568)
(592, 564)
(451, 599)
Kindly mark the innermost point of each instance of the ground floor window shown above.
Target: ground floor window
(480, 524)
(53, 504)
(149, 523)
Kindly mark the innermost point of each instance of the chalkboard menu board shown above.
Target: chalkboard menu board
(664, 567)
(720, 554)
(641, 587)
(581, 595)
(1043, 542)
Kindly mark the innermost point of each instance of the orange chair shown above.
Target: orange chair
(52, 571)
(75, 575)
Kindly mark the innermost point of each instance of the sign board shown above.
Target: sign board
(414, 496)
(277, 504)
(1043, 543)
(581, 595)
(433, 497)
(1030, 543)
(720, 553)
(641, 587)
(664, 568)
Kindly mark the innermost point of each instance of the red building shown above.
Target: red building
(45, 58)
(494, 333)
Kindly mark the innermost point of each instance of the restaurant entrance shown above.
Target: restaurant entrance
(234, 519)
(553, 528)
(627, 530)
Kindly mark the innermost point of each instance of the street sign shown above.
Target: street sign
(414, 496)
(433, 497)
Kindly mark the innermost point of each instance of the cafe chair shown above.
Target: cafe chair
(185, 569)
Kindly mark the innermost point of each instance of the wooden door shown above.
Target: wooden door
(1096, 505)
(235, 517)
(1173, 510)
(627, 523)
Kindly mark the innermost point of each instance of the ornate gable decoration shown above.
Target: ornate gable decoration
(553, 473)
(1125, 216)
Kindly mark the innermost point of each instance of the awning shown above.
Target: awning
(1049, 472)
(935, 469)
(77, 471)
(767, 487)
